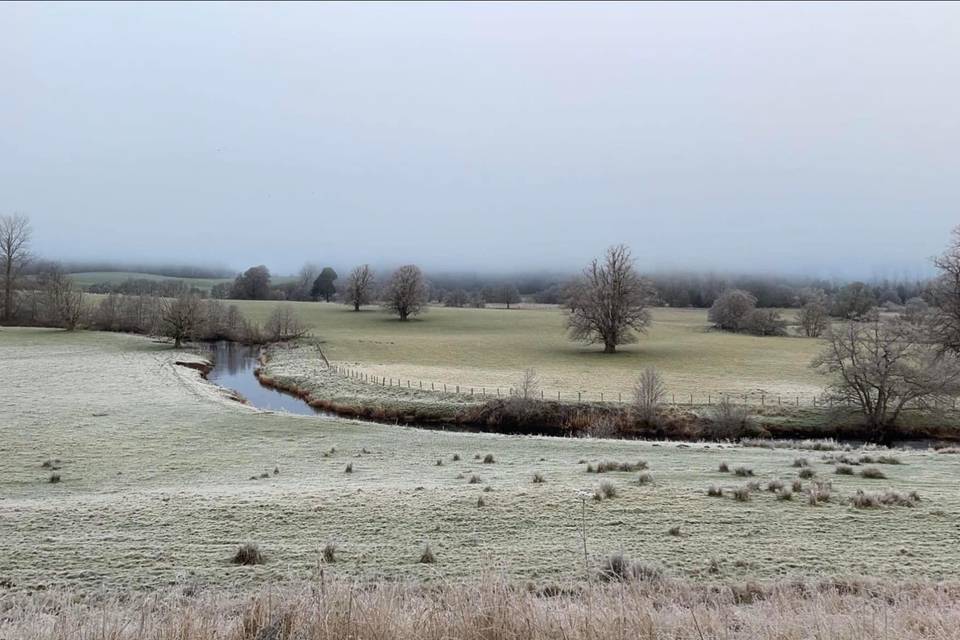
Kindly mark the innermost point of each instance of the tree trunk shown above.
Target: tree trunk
(356, 306)
(176, 342)
(609, 347)
(7, 291)
(403, 316)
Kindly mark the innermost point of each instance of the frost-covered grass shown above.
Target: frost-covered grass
(156, 489)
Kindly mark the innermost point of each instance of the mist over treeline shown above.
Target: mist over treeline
(697, 289)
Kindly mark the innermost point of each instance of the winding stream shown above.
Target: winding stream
(233, 367)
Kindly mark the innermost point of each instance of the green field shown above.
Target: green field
(491, 347)
(156, 463)
(89, 278)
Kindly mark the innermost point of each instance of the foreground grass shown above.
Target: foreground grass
(493, 608)
(491, 347)
(156, 490)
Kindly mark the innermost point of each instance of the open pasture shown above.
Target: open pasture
(491, 347)
(156, 487)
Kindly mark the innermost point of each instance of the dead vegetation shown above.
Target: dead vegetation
(247, 553)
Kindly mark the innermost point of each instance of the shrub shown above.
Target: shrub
(426, 556)
(753, 485)
(872, 473)
(843, 470)
(456, 457)
(648, 394)
(349, 468)
(801, 462)
(477, 456)
(729, 420)
(872, 499)
(743, 472)
(797, 486)
(714, 491)
(439, 462)
(741, 494)
(775, 485)
(51, 464)
(480, 502)
(538, 478)
(54, 478)
(818, 493)
(488, 459)
(264, 475)
(247, 554)
(723, 468)
(674, 530)
(645, 478)
(276, 471)
(474, 479)
(806, 473)
(329, 553)
(784, 494)
(888, 460)
(619, 567)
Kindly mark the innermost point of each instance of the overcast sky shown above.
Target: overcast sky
(781, 137)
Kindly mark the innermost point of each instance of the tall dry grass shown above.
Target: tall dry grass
(493, 609)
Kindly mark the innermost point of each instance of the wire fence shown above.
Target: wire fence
(686, 398)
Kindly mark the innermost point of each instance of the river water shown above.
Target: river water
(233, 367)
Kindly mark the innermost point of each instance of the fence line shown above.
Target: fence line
(585, 396)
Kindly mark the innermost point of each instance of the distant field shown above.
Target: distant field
(155, 490)
(491, 347)
(88, 278)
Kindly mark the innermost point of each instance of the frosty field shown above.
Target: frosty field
(155, 467)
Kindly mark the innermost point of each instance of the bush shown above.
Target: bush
(674, 530)
(872, 499)
(774, 486)
(741, 494)
(743, 472)
(474, 479)
(766, 322)
(797, 486)
(54, 478)
(480, 501)
(801, 462)
(807, 473)
(538, 478)
(247, 554)
(714, 491)
(872, 473)
(784, 494)
(645, 478)
(723, 468)
(488, 459)
(349, 468)
(843, 470)
(456, 457)
(729, 420)
(648, 394)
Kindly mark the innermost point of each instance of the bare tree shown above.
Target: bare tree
(608, 304)
(63, 301)
(945, 320)
(283, 324)
(882, 365)
(648, 394)
(456, 298)
(359, 287)
(15, 233)
(305, 277)
(731, 311)
(528, 387)
(180, 317)
(814, 316)
(406, 292)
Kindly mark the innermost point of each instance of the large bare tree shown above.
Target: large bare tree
(406, 292)
(945, 317)
(359, 287)
(883, 365)
(15, 233)
(180, 317)
(608, 303)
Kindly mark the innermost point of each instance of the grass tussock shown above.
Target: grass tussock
(743, 472)
(348, 468)
(807, 473)
(51, 463)
(606, 490)
(618, 567)
(796, 486)
(329, 553)
(426, 556)
(538, 478)
(800, 462)
(54, 478)
(775, 485)
(723, 468)
(785, 495)
(247, 553)
(608, 466)
(455, 457)
(741, 494)
(843, 470)
(888, 498)
(645, 478)
(474, 479)
(488, 459)
(872, 473)
(714, 491)
(675, 530)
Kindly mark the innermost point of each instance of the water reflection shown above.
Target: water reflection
(233, 367)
